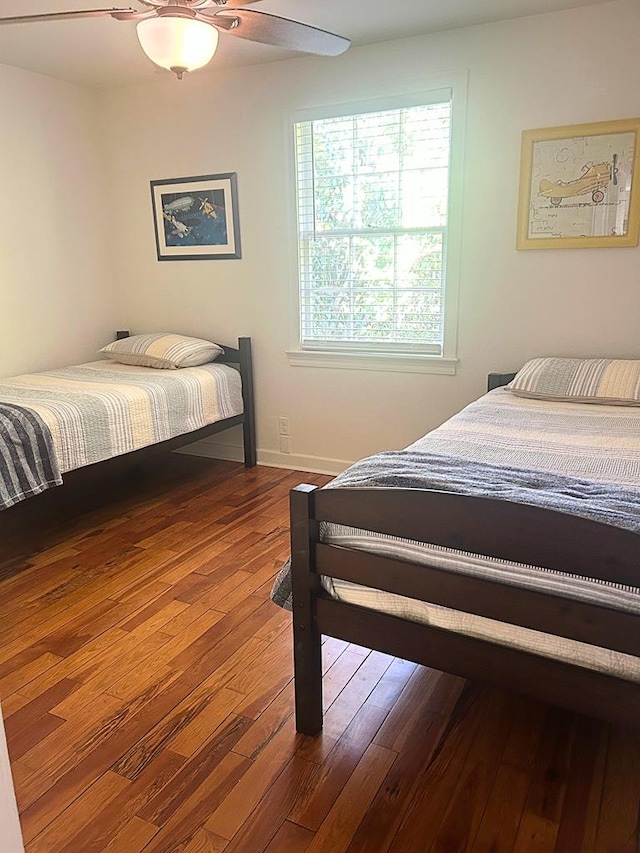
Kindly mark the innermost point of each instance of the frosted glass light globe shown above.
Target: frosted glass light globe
(177, 44)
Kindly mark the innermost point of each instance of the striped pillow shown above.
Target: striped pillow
(162, 350)
(580, 380)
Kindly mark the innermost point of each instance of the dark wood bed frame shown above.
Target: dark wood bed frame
(28, 524)
(514, 532)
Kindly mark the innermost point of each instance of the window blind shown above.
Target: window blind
(372, 195)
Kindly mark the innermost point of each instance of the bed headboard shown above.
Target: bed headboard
(497, 380)
(231, 355)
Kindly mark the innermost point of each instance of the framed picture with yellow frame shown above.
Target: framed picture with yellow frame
(578, 186)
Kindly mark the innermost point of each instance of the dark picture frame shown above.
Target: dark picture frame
(196, 218)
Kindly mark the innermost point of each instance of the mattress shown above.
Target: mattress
(103, 409)
(591, 441)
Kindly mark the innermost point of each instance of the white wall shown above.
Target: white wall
(10, 830)
(575, 66)
(56, 294)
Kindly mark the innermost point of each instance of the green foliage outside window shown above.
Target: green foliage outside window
(372, 198)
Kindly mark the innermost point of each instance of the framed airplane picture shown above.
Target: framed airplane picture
(578, 186)
(196, 218)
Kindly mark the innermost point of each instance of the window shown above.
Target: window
(373, 229)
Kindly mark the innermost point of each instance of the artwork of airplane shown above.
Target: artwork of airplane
(595, 178)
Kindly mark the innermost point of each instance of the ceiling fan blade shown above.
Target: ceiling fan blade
(281, 32)
(131, 15)
(65, 16)
(221, 22)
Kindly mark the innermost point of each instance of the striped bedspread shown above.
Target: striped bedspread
(27, 458)
(589, 442)
(592, 441)
(98, 410)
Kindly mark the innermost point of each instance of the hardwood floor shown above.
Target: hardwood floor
(145, 679)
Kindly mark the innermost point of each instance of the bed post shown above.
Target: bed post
(249, 423)
(307, 657)
(498, 380)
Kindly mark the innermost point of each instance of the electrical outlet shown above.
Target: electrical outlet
(283, 426)
(285, 444)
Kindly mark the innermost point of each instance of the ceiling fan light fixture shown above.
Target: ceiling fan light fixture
(178, 44)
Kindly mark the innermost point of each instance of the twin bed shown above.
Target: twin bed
(62, 420)
(502, 546)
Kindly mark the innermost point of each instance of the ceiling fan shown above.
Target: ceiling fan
(182, 35)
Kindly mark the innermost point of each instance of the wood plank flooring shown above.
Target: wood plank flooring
(145, 680)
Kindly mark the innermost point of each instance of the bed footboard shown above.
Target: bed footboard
(509, 531)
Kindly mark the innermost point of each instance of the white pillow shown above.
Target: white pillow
(580, 380)
(162, 350)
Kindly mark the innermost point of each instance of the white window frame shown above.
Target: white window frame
(455, 84)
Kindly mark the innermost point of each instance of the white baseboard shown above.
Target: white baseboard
(269, 458)
(298, 462)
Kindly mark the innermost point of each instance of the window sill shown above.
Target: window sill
(388, 362)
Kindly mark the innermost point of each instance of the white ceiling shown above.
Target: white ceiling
(104, 52)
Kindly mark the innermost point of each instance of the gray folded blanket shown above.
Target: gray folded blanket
(28, 463)
(607, 503)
